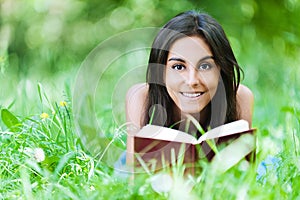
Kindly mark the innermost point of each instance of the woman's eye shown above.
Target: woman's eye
(204, 66)
(178, 67)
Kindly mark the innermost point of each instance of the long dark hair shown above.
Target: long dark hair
(223, 107)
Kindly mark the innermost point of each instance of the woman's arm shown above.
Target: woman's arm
(135, 100)
(245, 103)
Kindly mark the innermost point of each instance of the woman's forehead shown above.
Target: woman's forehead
(190, 47)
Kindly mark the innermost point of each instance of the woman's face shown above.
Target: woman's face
(191, 74)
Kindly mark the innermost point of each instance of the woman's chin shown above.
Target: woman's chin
(191, 110)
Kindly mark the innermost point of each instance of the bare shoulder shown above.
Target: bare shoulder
(137, 90)
(135, 102)
(244, 92)
(245, 103)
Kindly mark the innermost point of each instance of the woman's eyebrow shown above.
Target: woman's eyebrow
(176, 59)
(181, 60)
(206, 57)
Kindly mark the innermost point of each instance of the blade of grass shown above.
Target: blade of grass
(211, 144)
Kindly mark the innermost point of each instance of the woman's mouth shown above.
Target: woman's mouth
(192, 94)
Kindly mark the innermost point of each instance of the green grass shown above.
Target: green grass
(69, 171)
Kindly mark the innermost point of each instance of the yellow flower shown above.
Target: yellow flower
(63, 103)
(44, 115)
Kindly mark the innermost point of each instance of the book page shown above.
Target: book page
(164, 133)
(234, 152)
(224, 130)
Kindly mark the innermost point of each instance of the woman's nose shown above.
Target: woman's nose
(193, 77)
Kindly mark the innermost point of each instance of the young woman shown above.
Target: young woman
(191, 71)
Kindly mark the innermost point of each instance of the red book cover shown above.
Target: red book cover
(157, 147)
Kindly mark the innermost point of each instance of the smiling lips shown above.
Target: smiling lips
(192, 94)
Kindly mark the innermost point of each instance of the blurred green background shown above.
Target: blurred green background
(47, 40)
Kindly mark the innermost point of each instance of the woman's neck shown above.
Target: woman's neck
(187, 125)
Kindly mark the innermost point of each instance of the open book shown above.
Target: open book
(153, 145)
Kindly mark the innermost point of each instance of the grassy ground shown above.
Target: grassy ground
(42, 157)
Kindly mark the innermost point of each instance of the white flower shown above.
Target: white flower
(39, 154)
(244, 165)
(161, 182)
(92, 188)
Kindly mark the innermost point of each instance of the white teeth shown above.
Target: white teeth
(191, 95)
